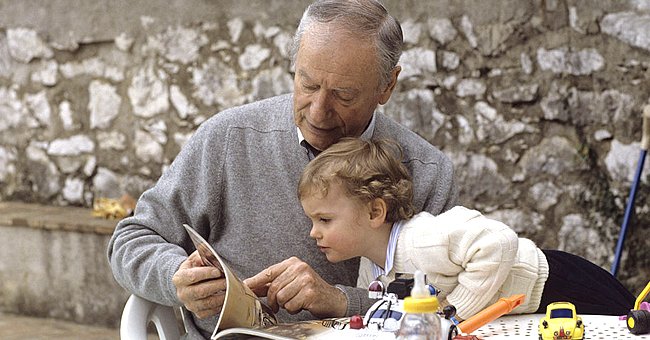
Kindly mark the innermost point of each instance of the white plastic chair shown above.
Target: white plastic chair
(137, 315)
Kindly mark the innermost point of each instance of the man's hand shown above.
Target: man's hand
(200, 288)
(293, 285)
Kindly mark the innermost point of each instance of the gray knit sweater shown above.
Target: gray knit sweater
(235, 182)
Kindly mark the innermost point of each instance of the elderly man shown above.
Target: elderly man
(236, 180)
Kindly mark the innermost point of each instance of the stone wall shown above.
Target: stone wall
(538, 103)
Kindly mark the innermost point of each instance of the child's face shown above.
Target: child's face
(339, 223)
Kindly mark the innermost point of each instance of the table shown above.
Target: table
(511, 327)
(525, 327)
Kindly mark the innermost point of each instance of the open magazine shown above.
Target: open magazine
(243, 313)
(241, 307)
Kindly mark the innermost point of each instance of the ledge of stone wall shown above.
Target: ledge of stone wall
(54, 264)
(54, 218)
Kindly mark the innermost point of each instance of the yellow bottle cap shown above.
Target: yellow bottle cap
(421, 305)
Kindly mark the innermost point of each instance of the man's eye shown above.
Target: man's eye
(310, 88)
(324, 220)
(345, 97)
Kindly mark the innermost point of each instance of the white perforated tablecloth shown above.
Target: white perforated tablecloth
(525, 327)
(511, 327)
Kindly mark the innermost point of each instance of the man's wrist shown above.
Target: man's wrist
(352, 304)
(343, 308)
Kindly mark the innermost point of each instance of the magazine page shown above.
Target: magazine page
(326, 329)
(287, 331)
(241, 307)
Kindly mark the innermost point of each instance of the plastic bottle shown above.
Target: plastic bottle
(421, 321)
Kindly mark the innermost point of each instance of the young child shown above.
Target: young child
(359, 195)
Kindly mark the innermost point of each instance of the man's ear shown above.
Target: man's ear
(386, 92)
(378, 211)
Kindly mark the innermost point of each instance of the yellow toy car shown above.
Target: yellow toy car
(561, 322)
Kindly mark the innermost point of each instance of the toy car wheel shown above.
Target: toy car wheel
(638, 321)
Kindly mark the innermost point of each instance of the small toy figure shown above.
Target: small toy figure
(561, 322)
(638, 319)
(376, 290)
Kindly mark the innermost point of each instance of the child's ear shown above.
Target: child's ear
(378, 210)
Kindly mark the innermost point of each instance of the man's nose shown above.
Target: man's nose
(321, 106)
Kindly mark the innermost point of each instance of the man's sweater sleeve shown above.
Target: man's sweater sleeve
(447, 187)
(443, 189)
(358, 300)
(147, 249)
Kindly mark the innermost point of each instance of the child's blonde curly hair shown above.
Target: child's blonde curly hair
(367, 170)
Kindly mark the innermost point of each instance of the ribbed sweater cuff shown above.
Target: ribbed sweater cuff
(465, 301)
(354, 300)
(171, 268)
(542, 272)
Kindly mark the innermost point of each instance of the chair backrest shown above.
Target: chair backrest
(137, 315)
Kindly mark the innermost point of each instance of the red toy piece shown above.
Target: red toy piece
(356, 322)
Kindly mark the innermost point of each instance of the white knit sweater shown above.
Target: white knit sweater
(472, 259)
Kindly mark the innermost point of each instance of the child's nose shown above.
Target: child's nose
(313, 233)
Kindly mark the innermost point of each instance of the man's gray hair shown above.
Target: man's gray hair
(363, 18)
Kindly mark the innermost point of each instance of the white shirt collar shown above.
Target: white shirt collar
(366, 135)
(378, 271)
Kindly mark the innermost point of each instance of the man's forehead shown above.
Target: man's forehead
(343, 58)
(351, 86)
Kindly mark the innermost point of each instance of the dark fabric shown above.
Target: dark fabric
(592, 289)
(312, 152)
